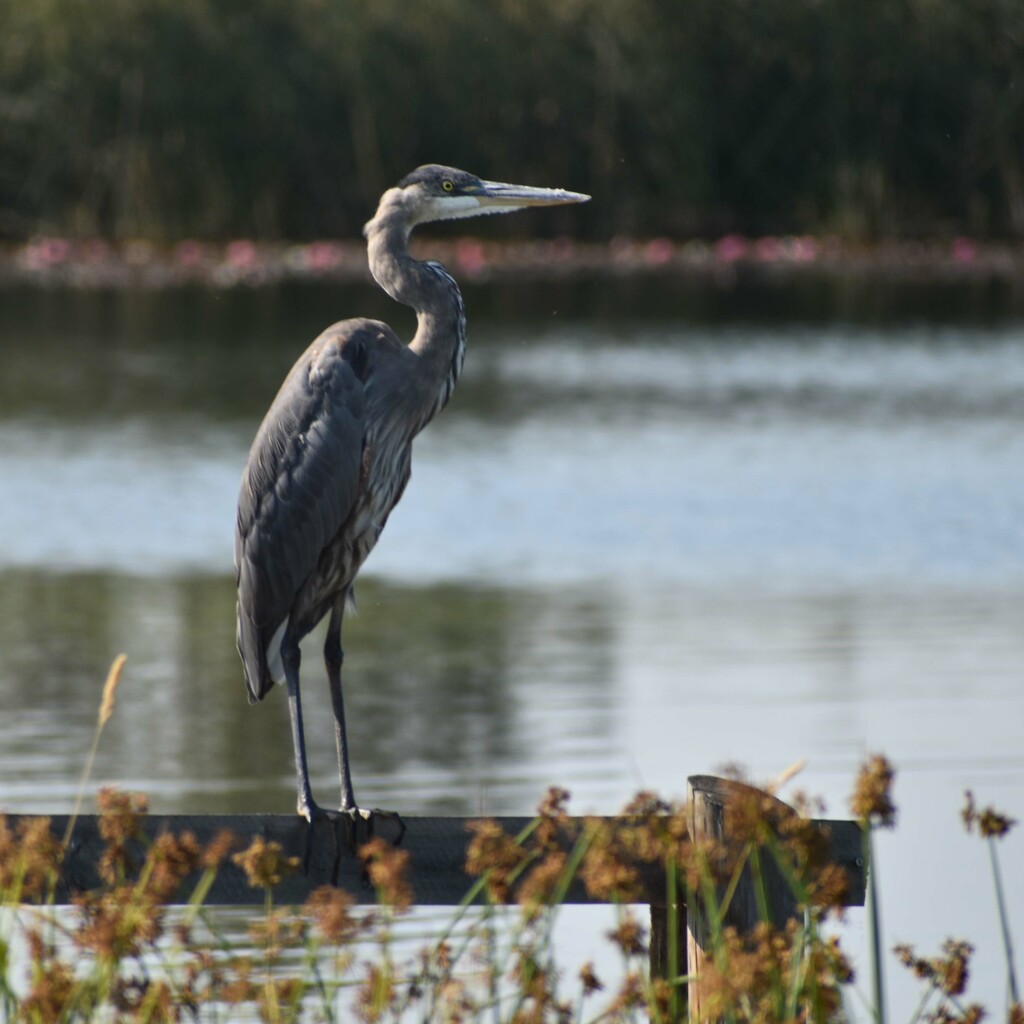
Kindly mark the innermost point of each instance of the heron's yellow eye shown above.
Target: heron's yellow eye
(447, 185)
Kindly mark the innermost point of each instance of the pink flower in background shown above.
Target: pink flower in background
(470, 256)
(803, 249)
(768, 249)
(964, 250)
(47, 252)
(241, 254)
(319, 257)
(730, 248)
(189, 253)
(95, 250)
(659, 251)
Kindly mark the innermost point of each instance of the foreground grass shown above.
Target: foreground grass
(123, 952)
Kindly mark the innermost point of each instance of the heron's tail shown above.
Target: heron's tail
(252, 647)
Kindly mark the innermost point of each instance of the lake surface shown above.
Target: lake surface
(657, 531)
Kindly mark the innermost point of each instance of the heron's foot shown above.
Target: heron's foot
(376, 814)
(340, 834)
(351, 827)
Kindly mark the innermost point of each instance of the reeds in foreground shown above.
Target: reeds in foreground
(130, 950)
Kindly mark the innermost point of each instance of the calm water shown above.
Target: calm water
(655, 532)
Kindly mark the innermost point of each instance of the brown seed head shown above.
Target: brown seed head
(660, 999)
(708, 860)
(590, 981)
(276, 932)
(142, 999)
(991, 823)
(541, 883)
(218, 849)
(953, 969)
(553, 819)
(733, 770)
(752, 815)
(748, 971)
(829, 888)
(239, 987)
(279, 998)
(629, 997)
(494, 854)
(948, 973)
(629, 935)
(120, 813)
(331, 910)
(376, 993)
(554, 803)
(388, 868)
(872, 798)
(264, 863)
(454, 1001)
(652, 831)
(117, 923)
(805, 846)
(53, 994)
(30, 860)
(110, 688)
(119, 824)
(170, 860)
(536, 983)
(645, 804)
(922, 968)
(607, 872)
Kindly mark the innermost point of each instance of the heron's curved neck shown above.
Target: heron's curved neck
(440, 339)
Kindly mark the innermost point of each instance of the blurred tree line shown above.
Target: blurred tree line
(285, 118)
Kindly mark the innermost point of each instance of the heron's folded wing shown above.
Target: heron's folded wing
(301, 480)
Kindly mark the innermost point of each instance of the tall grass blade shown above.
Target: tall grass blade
(105, 711)
(1004, 924)
(874, 927)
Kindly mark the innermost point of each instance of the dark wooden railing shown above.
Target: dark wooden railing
(438, 847)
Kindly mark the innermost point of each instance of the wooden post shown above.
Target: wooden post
(707, 799)
(667, 950)
(707, 796)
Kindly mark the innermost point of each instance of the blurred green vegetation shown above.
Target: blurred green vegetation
(285, 118)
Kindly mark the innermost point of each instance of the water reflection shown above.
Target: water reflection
(637, 545)
(217, 356)
(449, 691)
(465, 698)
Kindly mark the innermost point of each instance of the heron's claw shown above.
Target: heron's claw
(376, 812)
(346, 827)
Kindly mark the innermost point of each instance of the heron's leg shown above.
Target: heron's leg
(350, 810)
(333, 658)
(291, 656)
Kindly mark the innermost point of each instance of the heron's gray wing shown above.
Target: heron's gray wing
(299, 485)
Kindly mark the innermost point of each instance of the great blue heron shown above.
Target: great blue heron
(333, 454)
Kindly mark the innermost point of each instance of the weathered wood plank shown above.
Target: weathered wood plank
(708, 797)
(437, 848)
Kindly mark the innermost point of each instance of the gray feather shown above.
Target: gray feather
(300, 484)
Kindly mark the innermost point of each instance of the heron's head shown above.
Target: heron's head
(434, 192)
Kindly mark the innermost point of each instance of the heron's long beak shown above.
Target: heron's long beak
(513, 197)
